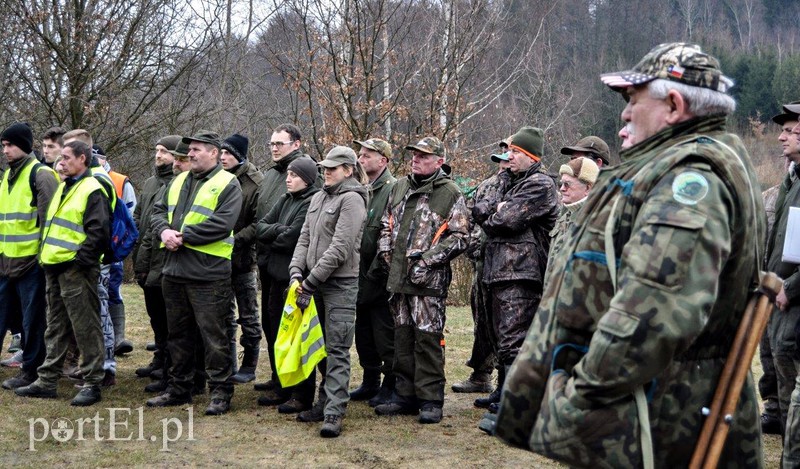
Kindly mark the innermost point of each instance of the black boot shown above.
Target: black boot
(494, 397)
(247, 372)
(385, 393)
(369, 386)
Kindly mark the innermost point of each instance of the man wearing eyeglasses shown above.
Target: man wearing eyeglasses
(285, 147)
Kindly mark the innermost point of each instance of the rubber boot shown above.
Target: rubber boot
(121, 344)
(370, 385)
(485, 402)
(247, 372)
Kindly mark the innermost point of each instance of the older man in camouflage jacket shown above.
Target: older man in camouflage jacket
(648, 290)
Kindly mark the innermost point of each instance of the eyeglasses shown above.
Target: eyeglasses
(280, 144)
(567, 185)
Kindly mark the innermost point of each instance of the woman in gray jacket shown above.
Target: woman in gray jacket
(325, 263)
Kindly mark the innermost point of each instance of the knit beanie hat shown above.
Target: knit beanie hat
(306, 168)
(529, 140)
(170, 142)
(20, 135)
(582, 168)
(236, 145)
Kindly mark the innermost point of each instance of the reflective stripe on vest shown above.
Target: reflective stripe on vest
(203, 206)
(63, 229)
(19, 230)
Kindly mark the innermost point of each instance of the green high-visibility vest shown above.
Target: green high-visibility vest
(63, 229)
(19, 230)
(203, 206)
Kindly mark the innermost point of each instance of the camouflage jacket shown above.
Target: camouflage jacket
(686, 226)
(518, 228)
(770, 196)
(559, 232)
(423, 229)
(372, 275)
(488, 193)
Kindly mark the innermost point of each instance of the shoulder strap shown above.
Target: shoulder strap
(32, 182)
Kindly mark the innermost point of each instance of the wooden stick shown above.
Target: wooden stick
(729, 387)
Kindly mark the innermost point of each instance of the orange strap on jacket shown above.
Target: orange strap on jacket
(439, 233)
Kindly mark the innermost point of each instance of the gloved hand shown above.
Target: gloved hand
(141, 278)
(295, 278)
(304, 298)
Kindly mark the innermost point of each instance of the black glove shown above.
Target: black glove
(304, 299)
(141, 279)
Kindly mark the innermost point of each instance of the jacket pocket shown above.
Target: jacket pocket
(664, 246)
(596, 436)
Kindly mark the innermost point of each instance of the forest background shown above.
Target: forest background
(468, 71)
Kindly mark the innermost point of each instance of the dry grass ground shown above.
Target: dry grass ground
(251, 435)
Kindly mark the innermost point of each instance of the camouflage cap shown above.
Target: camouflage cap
(377, 144)
(431, 145)
(791, 112)
(680, 62)
(505, 142)
(205, 136)
(590, 144)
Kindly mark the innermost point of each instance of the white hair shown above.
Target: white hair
(701, 101)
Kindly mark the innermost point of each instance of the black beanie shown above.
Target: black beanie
(237, 146)
(306, 168)
(19, 134)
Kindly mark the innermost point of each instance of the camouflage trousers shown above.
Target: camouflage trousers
(109, 360)
(419, 347)
(791, 440)
(483, 358)
(513, 305)
(782, 344)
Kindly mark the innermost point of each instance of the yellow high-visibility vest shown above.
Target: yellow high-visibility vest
(19, 230)
(203, 206)
(63, 229)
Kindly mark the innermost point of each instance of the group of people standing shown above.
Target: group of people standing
(606, 301)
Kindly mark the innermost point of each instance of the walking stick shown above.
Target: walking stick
(720, 416)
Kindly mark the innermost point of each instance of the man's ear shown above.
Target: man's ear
(678, 108)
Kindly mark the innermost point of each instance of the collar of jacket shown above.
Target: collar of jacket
(16, 166)
(164, 171)
(282, 164)
(206, 175)
(305, 193)
(382, 179)
(696, 125)
(427, 184)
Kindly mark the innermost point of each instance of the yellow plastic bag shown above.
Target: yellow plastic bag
(300, 345)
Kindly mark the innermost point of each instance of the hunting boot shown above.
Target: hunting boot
(485, 402)
(369, 386)
(121, 344)
(247, 372)
(157, 363)
(478, 381)
(317, 412)
(385, 393)
(160, 385)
